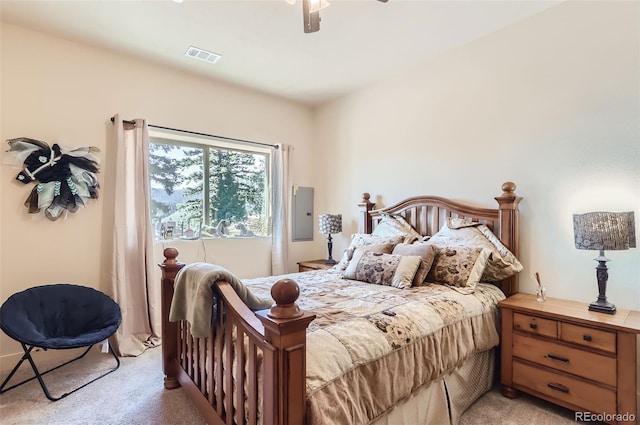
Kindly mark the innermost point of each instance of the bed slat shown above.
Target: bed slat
(210, 369)
(252, 387)
(240, 377)
(218, 360)
(228, 373)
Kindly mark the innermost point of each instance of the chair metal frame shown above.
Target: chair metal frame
(38, 375)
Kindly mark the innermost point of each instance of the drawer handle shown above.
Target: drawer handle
(586, 337)
(558, 387)
(533, 325)
(554, 357)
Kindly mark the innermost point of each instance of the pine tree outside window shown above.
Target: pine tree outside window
(204, 188)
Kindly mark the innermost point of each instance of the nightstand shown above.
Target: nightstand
(560, 351)
(305, 266)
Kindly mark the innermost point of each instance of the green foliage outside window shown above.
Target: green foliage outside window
(200, 190)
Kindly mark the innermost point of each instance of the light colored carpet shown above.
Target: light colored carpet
(494, 409)
(134, 395)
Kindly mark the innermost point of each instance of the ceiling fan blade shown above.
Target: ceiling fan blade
(311, 20)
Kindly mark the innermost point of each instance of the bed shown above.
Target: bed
(403, 354)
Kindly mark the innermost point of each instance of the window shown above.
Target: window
(202, 187)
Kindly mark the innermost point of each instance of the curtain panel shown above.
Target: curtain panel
(281, 204)
(133, 268)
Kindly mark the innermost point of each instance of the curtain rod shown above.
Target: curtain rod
(133, 123)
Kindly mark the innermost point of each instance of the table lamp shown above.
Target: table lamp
(330, 224)
(604, 231)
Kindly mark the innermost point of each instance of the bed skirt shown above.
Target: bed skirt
(444, 400)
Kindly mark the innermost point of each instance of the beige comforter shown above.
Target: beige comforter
(371, 346)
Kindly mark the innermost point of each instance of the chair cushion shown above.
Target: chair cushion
(60, 316)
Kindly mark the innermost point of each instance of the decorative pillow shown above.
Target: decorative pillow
(460, 267)
(502, 263)
(423, 250)
(392, 225)
(385, 248)
(383, 269)
(359, 240)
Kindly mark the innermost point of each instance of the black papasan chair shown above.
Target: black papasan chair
(58, 316)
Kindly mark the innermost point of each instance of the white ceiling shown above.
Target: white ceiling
(262, 42)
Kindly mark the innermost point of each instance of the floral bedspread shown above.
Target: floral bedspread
(371, 346)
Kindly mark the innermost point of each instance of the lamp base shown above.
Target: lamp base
(330, 260)
(602, 307)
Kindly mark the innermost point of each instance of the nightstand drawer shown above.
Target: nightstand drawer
(588, 337)
(535, 325)
(565, 388)
(572, 360)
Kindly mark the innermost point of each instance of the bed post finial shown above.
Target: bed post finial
(170, 266)
(170, 255)
(285, 292)
(508, 189)
(365, 224)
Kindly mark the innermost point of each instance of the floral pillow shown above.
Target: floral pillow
(460, 267)
(392, 225)
(383, 269)
(425, 251)
(359, 240)
(502, 263)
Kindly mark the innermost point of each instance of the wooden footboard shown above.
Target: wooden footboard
(252, 364)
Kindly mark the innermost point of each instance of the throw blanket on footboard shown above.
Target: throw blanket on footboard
(193, 296)
(371, 346)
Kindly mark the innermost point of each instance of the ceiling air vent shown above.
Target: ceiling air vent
(203, 55)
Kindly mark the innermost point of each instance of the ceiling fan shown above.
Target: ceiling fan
(311, 13)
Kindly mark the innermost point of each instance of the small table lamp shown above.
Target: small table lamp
(604, 231)
(330, 224)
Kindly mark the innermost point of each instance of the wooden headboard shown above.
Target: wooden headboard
(428, 213)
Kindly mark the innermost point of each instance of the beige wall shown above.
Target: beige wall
(552, 103)
(56, 90)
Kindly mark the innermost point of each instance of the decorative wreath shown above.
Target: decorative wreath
(66, 178)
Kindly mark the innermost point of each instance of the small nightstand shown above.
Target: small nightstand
(305, 266)
(560, 351)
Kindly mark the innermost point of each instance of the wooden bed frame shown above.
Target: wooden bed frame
(206, 371)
